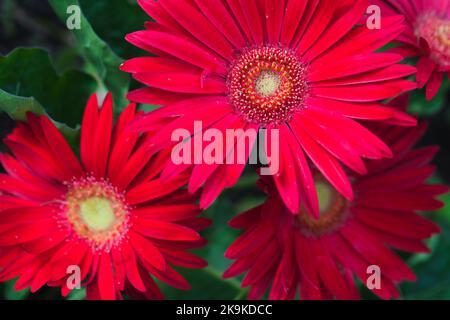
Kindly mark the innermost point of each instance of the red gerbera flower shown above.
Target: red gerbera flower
(320, 257)
(427, 36)
(110, 215)
(303, 67)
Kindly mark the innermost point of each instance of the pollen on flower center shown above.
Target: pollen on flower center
(96, 212)
(332, 207)
(267, 85)
(436, 31)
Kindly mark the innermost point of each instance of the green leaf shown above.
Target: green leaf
(433, 274)
(112, 28)
(17, 107)
(99, 55)
(219, 235)
(30, 73)
(77, 294)
(13, 294)
(423, 108)
(432, 270)
(444, 213)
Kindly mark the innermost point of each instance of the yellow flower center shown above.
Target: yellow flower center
(96, 212)
(267, 84)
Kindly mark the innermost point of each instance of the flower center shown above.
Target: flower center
(97, 212)
(436, 31)
(267, 85)
(333, 211)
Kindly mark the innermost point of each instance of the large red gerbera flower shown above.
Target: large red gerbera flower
(319, 258)
(110, 215)
(427, 36)
(304, 67)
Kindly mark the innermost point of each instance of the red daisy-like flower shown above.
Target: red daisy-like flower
(304, 67)
(109, 215)
(319, 258)
(427, 36)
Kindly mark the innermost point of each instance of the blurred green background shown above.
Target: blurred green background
(59, 68)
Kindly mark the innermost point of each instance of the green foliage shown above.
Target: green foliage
(423, 108)
(30, 73)
(433, 270)
(112, 28)
(17, 107)
(97, 53)
(433, 273)
(77, 294)
(12, 294)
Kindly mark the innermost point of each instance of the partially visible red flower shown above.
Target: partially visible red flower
(301, 66)
(319, 259)
(426, 36)
(109, 214)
